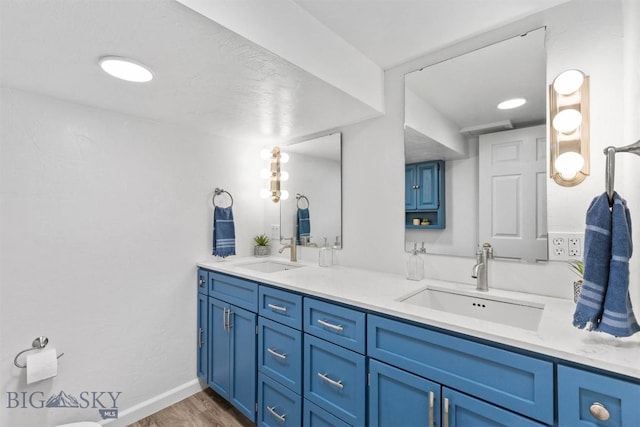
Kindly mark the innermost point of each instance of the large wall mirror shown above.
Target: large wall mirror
(313, 210)
(494, 159)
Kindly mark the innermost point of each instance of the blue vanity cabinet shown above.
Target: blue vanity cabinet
(202, 336)
(588, 399)
(277, 405)
(425, 194)
(334, 375)
(521, 384)
(232, 355)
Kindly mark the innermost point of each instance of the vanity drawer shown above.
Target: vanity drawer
(281, 306)
(315, 416)
(236, 291)
(277, 405)
(340, 325)
(520, 383)
(584, 396)
(335, 379)
(202, 281)
(280, 353)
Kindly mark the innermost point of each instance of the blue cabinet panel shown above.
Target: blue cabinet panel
(398, 398)
(334, 379)
(243, 362)
(202, 332)
(410, 193)
(340, 325)
(517, 382)
(280, 353)
(203, 281)
(579, 391)
(219, 349)
(277, 405)
(315, 416)
(465, 411)
(281, 306)
(239, 292)
(428, 182)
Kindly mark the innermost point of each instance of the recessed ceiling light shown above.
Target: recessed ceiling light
(512, 103)
(125, 69)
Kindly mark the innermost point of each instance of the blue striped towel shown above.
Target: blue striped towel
(604, 304)
(224, 233)
(303, 223)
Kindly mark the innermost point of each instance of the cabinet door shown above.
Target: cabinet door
(398, 398)
(243, 373)
(219, 348)
(460, 410)
(428, 194)
(587, 399)
(410, 183)
(277, 405)
(203, 302)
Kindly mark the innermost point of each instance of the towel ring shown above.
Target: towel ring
(219, 191)
(38, 343)
(299, 197)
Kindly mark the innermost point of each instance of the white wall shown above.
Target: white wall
(585, 34)
(103, 218)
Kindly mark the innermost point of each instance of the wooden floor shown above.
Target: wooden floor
(203, 409)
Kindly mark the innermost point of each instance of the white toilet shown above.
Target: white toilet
(81, 424)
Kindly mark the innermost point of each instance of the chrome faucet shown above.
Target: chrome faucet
(292, 246)
(481, 269)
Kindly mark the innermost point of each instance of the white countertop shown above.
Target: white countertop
(555, 336)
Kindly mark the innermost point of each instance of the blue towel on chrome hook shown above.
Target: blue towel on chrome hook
(604, 304)
(224, 233)
(303, 223)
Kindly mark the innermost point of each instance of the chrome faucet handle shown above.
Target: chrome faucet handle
(423, 250)
(486, 247)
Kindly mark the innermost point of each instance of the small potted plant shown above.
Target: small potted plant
(578, 268)
(262, 246)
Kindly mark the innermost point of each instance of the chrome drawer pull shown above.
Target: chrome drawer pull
(446, 412)
(599, 411)
(200, 337)
(431, 409)
(201, 282)
(331, 325)
(272, 409)
(330, 381)
(276, 354)
(277, 307)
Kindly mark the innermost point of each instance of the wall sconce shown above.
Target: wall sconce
(569, 115)
(274, 174)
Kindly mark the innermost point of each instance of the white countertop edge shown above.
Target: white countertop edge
(374, 291)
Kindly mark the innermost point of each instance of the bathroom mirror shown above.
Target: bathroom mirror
(315, 191)
(450, 111)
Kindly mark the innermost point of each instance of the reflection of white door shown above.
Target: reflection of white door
(513, 195)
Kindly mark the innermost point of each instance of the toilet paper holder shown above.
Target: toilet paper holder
(38, 343)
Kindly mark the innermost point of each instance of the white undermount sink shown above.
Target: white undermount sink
(269, 266)
(507, 311)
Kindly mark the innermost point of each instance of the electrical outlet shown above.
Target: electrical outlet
(565, 246)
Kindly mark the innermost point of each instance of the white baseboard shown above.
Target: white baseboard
(155, 404)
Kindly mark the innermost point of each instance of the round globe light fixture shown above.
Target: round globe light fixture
(568, 164)
(567, 121)
(568, 82)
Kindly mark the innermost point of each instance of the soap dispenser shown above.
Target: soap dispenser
(325, 255)
(415, 265)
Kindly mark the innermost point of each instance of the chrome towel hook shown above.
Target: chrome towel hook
(38, 343)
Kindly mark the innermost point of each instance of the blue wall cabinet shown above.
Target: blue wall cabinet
(587, 399)
(425, 194)
(232, 355)
(202, 336)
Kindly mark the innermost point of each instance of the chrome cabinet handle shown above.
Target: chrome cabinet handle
(224, 318)
(200, 337)
(272, 409)
(277, 308)
(431, 398)
(201, 282)
(446, 412)
(229, 325)
(330, 325)
(276, 354)
(599, 411)
(330, 381)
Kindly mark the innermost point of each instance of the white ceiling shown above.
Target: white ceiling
(212, 79)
